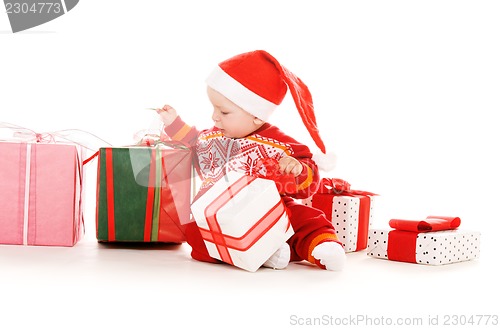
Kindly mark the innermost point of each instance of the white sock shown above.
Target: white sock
(331, 254)
(280, 259)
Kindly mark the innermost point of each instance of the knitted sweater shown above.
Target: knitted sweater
(216, 154)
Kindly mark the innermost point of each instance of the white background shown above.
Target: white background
(406, 95)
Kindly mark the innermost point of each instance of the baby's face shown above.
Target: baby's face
(231, 119)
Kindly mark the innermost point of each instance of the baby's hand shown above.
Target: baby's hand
(290, 165)
(167, 114)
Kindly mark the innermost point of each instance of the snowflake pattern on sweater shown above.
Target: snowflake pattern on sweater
(218, 154)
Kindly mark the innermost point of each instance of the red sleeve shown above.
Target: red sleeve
(178, 130)
(307, 182)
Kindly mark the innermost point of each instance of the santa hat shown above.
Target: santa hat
(257, 82)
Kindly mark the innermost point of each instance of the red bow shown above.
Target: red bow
(285, 183)
(402, 242)
(333, 186)
(339, 187)
(431, 223)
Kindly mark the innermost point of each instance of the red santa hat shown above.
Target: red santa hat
(258, 83)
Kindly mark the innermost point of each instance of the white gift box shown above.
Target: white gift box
(242, 220)
(429, 248)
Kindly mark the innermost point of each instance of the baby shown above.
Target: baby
(244, 91)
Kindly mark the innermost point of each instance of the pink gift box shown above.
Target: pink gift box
(41, 194)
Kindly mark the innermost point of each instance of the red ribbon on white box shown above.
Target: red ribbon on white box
(402, 241)
(223, 241)
(332, 187)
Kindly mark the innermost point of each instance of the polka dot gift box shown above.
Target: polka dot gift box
(351, 211)
(435, 241)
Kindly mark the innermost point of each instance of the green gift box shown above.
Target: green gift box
(143, 193)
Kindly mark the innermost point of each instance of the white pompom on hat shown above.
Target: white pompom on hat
(326, 162)
(258, 83)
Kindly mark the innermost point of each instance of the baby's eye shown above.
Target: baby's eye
(224, 113)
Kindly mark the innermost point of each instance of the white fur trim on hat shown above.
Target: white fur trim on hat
(240, 95)
(326, 161)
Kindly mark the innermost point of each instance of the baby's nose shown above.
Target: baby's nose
(215, 117)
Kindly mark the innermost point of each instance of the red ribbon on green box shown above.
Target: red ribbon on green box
(138, 205)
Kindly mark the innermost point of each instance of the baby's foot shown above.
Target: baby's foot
(280, 259)
(330, 254)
